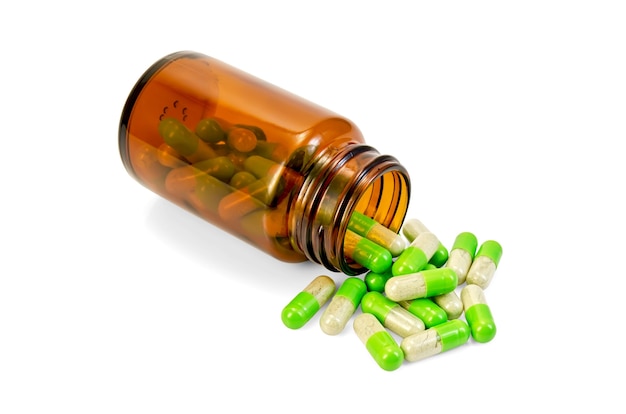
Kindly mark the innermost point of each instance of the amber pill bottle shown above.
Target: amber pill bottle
(263, 164)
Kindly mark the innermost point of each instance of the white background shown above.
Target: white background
(510, 117)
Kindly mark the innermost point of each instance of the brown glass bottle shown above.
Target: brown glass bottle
(265, 165)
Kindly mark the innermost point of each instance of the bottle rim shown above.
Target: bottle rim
(335, 187)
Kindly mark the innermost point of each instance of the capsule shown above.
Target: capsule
(184, 141)
(393, 316)
(221, 168)
(375, 282)
(342, 306)
(367, 253)
(369, 228)
(416, 255)
(210, 131)
(242, 179)
(462, 254)
(484, 265)
(413, 228)
(423, 284)
(168, 157)
(433, 341)
(378, 342)
(306, 303)
(241, 139)
(478, 314)
(427, 310)
(451, 303)
(271, 150)
(199, 190)
(234, 206)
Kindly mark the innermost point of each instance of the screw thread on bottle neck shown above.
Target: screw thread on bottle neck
(342, 180)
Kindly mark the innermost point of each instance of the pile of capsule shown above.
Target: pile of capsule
(409, 290)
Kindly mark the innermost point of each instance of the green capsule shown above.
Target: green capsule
(424, 284)
(378, 342)
(261, 167)
(271, 150)
(369, 228)
(478, 314)
(184, 141)
(242, 179)
(210, 131)
(376, 281)
(209, 192)
(258, 132)
(241, 140)
(367, 253)
(415, 257)
(432, 341)
(306, 303)
(198, 189)
(221, 168)
(427, 310)
(343, 305)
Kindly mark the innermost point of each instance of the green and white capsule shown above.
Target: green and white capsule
(450, 302)
(369, 228)
(342, 306)
(378, 342)
(416, 256)
(306, 303)
(393, 316)
(478, 314)
(424, 284)
(435, 340)
(484, 265)
(427, 310)
(462, 254)
(413, 228)
(367, 253)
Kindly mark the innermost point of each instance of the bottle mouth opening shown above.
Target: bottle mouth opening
(384, 198)
(355, 178)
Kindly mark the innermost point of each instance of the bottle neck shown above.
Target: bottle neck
(340, 181)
